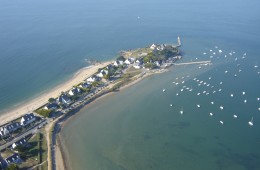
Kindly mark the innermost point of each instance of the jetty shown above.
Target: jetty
(193, 62)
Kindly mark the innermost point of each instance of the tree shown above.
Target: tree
(13, 167)
(51, 100)
(122, 58)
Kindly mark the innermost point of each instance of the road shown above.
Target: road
(32, 130)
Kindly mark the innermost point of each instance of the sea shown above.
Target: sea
(43, 43)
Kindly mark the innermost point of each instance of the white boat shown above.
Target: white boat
(212, 102)
(235, 116)
(182, 77)
(211, 114)
(204, 53)
(181, 111)
(226, 71)
(259, 108)
(235, 75)
(163, 90)
(243, 93)
(221, 107)
(208, 85)
(204, 83)
(199, 67)
(221, 122)
(177, 94)
(225, 56)
(221, 82)
(177, 78)
(207, 93)
(231, 95)
(214, 91)
(183, 82)
(239, 70)
(209, 78)
(198, 105)
(219, 89)
(258, 98)
(251, 122)
(204, 91)
(176, 83)
(245, 101)
(236, 59)
(214, 53)
(220, 51)
(256, 66)
(210, 50)
(171, 105)
(198, 94)
(216, 46)
(181, 89)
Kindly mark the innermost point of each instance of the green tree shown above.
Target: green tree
(13, 167)
(121, 58)
(51, 100)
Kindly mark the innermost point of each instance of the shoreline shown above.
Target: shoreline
(61, 158)
(35, 103)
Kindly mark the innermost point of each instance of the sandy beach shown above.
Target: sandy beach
(55, 92)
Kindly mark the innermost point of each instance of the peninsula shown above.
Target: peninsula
(28, 140)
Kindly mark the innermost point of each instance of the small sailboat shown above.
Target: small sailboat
(220, 51)
(209, 78)
(198, 105)
(231, 95)
(212, 102)
(245, 101)
(219, 89)
(221, 82)
(163, 90)
(235, 75)
(204, 53)
(181, 111)
(221, 122)
(198, 94)
(243, 93)
(211, 114)
(171, 105)
(235, 116)
(221, 107)
(258, 98)
(181, 89)
(177, 94)
(226, 72)
(251, 122)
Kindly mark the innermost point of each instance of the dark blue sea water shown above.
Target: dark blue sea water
(42, 43)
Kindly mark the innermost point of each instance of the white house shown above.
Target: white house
(20, 142)
(129, 61)
(137, 66)
(92, 79)
(27, 119)
(64, 99)
(51, 106)
(118, 63)
(84, 85)
(102, 73)
(74, 91)
(6, 130)
(153, 46)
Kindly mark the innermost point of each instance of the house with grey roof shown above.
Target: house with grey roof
(14, 159)
(27, 119)
(85, 85)
(6, 130)
(20, 142)
(51, 106)
(64, 99)
(74, 91)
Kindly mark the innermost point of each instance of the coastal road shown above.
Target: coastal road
(33, 130)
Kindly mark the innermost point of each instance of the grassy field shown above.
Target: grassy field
(35, 153)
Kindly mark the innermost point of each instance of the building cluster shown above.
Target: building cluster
(9, 128)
